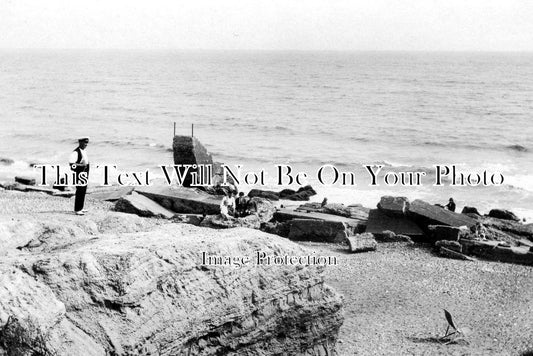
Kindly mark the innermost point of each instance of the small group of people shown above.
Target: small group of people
(236, 207)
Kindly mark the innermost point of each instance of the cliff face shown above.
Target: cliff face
(112, 291)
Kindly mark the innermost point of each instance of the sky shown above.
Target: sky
(419, 25)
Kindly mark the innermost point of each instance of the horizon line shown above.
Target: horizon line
(262, 50)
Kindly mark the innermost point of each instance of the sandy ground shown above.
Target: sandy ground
(394, 300)
(394, 297)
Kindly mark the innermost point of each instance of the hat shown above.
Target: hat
(86, 138)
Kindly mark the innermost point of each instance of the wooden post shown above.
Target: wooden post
(174, 130)
(192, 130)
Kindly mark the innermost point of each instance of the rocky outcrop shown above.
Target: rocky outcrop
(302, 194)
(158, 293)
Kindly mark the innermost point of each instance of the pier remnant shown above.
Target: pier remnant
(189, 150)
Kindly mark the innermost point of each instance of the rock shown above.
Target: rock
(444, 232)
(112, 193)
(276, 228)
(425, 214)
(286, 192)
(362, 242)
(189, 151)
(378, 222)
(503, 214)
(153, 293)
(513, 228)
(301, 194)
(182, 200)
(393, 206)
(470, 210)
(142, 206)
(389, 236)
(451, 245)
(25, 180)
(264, 209)
(220, 222)
(193, 219)
(446, 252)
(6, 161)
(266, 194)
(318, 230)
(33, 188)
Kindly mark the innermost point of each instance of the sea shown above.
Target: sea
(349, 113)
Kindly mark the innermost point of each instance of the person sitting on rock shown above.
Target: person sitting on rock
(451, 205)
(241, 204)
(227, 205)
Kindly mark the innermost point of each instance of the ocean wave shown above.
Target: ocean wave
(518, 148)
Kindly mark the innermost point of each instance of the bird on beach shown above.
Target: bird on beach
(451, 324)
(449, 319)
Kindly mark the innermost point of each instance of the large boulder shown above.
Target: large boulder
(503, 214)
(393, 206)
(174, 290)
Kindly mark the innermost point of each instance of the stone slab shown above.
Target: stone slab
(426, 214)
(361, 243)
(317, 230)
(496, 251)
(445, 232)
(288, 214)
(140, 205)
(111, 194)
(378, 222)
(182, 200)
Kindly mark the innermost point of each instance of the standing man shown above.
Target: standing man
(79, 163)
